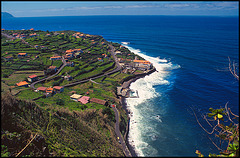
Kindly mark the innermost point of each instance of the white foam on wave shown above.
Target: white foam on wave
(146, 91)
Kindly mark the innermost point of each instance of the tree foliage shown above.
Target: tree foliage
(225, 126)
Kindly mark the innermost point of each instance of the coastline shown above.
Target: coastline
(124, 105)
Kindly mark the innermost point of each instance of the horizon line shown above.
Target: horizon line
(125, 15)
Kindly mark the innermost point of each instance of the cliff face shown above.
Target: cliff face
(6, 15)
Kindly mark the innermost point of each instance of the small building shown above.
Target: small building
(73, 92)
(119, 90)
(36, 46)
(123, 91)
(47, 94)
(69, 54)
(52, 68)
(104, 55)
(33, 35)
(15, 34)
(56, 33)
(58, 89)
(50, 90)
(118, 52)
(32, 78)
(70, 63)
(84, 99)
(68, 57)
(141, 62)
(100, 59)
(98, 101)
(22, 54)
(69, 51)
(78, 50)
(42, 89)
(75, 97)
(68, 77)
(31, 29)
(22, 84)
(48, 35)
(56, 58)
(8, 58)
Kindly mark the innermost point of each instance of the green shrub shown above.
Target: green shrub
(60, 102)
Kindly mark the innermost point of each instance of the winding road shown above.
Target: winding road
(117, 131)
(59, 70)
(118, 68)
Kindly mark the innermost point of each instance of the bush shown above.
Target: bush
(60, 102)
(109, 112)
(55, 84)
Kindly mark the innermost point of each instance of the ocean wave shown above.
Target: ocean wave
(140, 129)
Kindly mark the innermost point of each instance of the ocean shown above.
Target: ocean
(190, 54)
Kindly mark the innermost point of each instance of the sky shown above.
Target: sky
(80, 8)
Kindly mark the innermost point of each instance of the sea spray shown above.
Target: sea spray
(140, 129)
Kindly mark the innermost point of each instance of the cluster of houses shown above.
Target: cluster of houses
(50, 70)
(126, 92)
(103, 56)
(142, 65)
(50, 91)
(31, 78)
(23, 36)
(86, 99)
(33, 35)
(80, 35)
(20, 55)
(71, 53)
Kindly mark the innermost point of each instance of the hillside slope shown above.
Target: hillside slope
(6, 15)
(57, 131)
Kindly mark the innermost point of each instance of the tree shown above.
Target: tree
(60, 102)
(225, 126)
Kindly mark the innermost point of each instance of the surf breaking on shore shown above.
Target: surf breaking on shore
(146, 91)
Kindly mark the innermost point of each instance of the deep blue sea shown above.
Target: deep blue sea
(191, 56)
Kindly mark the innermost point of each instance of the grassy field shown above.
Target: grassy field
(28, 94)
(19, 76)
(71, 104)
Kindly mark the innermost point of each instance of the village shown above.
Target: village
(72, 70)
(124, 59)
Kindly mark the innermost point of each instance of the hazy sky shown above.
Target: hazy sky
(78, 8)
